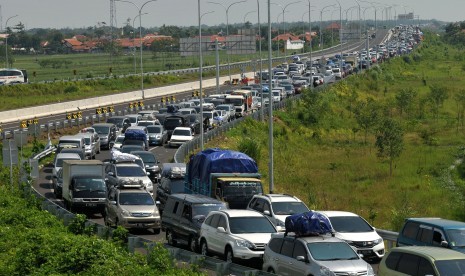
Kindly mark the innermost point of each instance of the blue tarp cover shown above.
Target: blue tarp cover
(217, 160)
(308, 224)
(135, 134)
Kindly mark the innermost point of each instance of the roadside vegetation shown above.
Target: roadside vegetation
(384, 143)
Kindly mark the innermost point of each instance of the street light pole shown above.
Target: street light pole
(6, 41)
(134, 39)
(227, 30)
(260, 56)
(245, 15)
(270, 105)
(340, 35)
(140, 36)
(310, 32)
(321, 23)
(284, 23)
(201, 73)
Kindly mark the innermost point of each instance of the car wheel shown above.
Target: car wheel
(271, 270)
(170, 237)
(192, 244)
(204, 248)
(156, 231)
(228, 255)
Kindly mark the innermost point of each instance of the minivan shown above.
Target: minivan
(71, 141)
(184, 214)
(433, 232)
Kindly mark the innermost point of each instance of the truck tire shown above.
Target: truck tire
(156, 231)
(193, 244)
(170, 237)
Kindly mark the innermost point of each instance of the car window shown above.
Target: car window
(425, 235)
(215, 220)
(175, 209)
(438, 237)
(451, 267)
(222, 223)
(287, 248)
(408, 264)
(392, 260)
(410, 230)
(350, 224)
(242, 225)
(275, 245)
(258, 205)
(208, 221)
(186, 212)
(456, 237)
(299, 250)
(425, 268)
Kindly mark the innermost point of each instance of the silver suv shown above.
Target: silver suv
(277, 207)
(313, 255)
(132, 208)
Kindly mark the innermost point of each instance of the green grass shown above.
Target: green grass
(329, 166)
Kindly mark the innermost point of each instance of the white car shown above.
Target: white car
(235, 234)
(357, 232)
(58, 163)
(180, 135)
(118, 142)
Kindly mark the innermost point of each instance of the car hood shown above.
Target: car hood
(363, 236)
(181, 138)
(140, 208)
(345, 265)
(256, 238)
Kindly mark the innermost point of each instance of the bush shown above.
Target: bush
(407, 59)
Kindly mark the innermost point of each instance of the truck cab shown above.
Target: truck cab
(236, 191)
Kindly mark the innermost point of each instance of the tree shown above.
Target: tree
(366, 114)
(437, 97)
(389, 140)
(405, 99)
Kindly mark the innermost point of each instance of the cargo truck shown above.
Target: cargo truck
(226, 175)
(84, 185)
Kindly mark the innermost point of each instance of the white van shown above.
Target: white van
(71, 141)
(12, 76)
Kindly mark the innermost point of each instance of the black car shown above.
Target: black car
(151, 164)
(107, 133)
(171, 182)
(183, 216)
(121, 122)
(194, 122)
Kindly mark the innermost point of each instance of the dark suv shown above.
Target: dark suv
(171, 182)
(107, 133)
(184, 214)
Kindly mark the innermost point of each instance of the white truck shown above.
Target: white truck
(84, 185)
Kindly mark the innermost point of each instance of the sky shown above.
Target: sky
(88, 13)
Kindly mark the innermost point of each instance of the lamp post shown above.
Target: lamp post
(260, 56)
(140, 36)
(284, 23)
(226, 9)
(340, 35)
(310, 33)
(134, 39)
(245, 15)
(321, 23)
(6, 41)
(359, 20)
(270, 105)
(201, 72)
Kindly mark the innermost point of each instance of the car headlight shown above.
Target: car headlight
(324, 271)
(370, 271)
(125, 213)
(244, 243)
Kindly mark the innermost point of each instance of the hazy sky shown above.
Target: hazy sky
(85, 13)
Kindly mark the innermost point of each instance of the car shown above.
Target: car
(187, 110)
(171, 182)
(91, 146)
(118, 142)
(146, 123)
(148, 114)
(223, 116)
(158, 135)
(235, 234)
(131, 208)
(312, 255)
(229, 108)
(97, 143)
(107, 133)
(357, 232)
(57, 182)
(180, 136)
(58, 162)
(151, 164)
(121, 122)
(422, 260)
(277, 206)
(73, 149)
(214, 117)
(134, 119)
(117, 172)
(193, 120)
(183, 216)
(433, 232)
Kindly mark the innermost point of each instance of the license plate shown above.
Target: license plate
(364, 252)
(91, 204)
(140, 225)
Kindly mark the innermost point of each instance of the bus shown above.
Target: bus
(12, 76)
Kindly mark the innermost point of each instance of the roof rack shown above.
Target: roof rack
(130, 184)
(121, 157)
(177, 172)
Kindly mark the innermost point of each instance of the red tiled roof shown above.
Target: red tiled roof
(333, 26)
(286, 36)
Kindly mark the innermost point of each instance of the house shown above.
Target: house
(293, 42)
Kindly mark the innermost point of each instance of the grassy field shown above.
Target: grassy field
(320, 153)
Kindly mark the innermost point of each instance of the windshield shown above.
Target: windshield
(119, 139)
(148, 158)
(331, 251)
(127, 171)
(182, 132)
(456, 237)
(133, 119)
(350, 224)
(451, 267)
(101, 129)
(117, 121)
(67, 142)
(87, 140)
(208, 115)
(89, 184)
(205, 209)
(240, 188)
(154, 129)
(172, 123)
(59, 162)
(235, 102)
(289, 208)
(242, 225)
(223, 107)
(276, 93)
(135, 199)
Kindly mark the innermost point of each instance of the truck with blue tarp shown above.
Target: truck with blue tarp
(226, 175)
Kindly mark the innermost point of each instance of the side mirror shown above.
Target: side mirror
(157, 202)
(280, 228)
(220, 230)
(110, 174)
(267, 213)
(301, 259)
(444, 244)
(113, 202)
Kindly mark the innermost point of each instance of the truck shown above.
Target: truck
(242, 101)
(352, 60)
(229, 176)
(84, 185)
